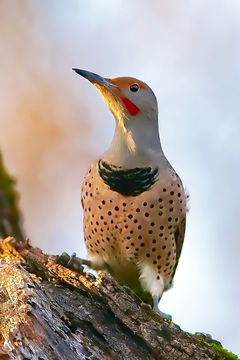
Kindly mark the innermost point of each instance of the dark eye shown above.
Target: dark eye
(134, 87)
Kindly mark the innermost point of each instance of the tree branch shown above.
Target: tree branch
(51, 312)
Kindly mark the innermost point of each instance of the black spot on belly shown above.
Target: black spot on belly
(129, 182)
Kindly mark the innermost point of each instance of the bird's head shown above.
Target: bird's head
(131, 101)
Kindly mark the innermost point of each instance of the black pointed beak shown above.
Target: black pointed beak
(93, 78)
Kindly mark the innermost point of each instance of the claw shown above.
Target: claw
(163, 315)
(63, 259)
(158, 312)
(72, 262)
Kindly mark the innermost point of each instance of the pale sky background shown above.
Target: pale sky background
(53, 124)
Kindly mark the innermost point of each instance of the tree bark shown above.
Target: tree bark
(49, 312)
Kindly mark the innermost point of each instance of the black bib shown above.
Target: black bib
(129, 182)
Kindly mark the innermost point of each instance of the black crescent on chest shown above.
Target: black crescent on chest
(130, 182)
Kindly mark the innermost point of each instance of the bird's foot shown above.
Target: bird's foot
(72, 262)
(157, 311)
(162, 314)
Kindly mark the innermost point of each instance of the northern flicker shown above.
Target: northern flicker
(134, 202)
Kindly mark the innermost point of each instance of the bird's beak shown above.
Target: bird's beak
(95, 79)
(112, 96)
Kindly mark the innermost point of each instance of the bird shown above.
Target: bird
(133, 201)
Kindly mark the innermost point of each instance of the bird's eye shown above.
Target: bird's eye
(134, 87)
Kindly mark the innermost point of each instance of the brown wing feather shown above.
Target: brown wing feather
(179, 237)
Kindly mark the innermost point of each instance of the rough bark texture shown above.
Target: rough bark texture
(50, 312)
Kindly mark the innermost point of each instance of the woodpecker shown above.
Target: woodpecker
(133, 200)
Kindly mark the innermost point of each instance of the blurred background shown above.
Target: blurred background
(53, 124)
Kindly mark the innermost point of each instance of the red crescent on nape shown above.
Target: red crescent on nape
(131, 108)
